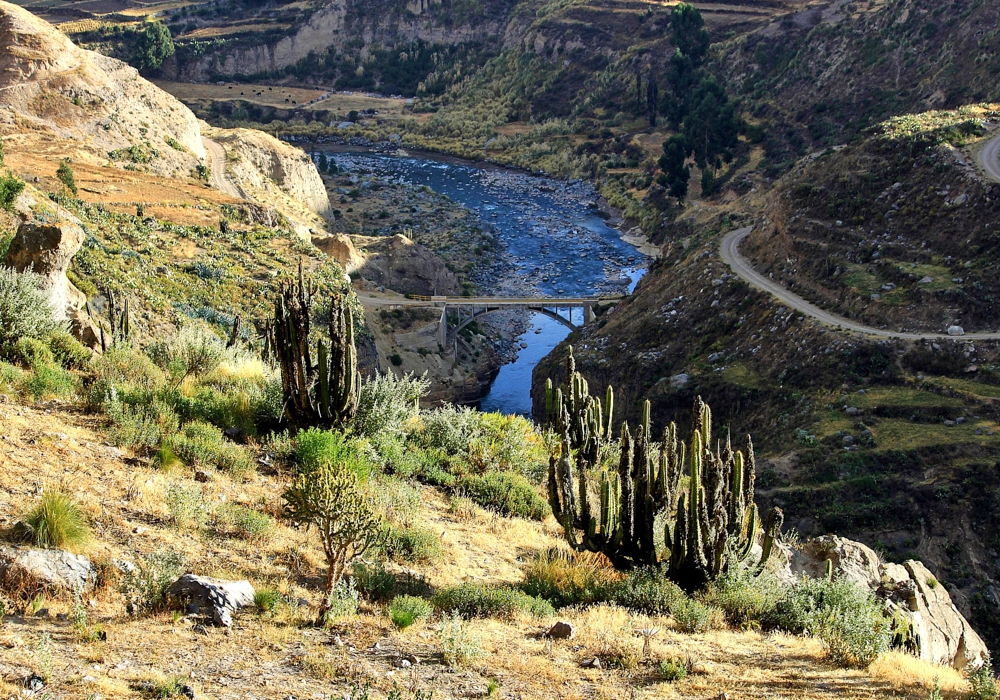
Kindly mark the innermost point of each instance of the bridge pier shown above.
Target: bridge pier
(442, 331)
(588, 314)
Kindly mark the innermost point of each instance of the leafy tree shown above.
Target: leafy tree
(690, 37)
(11, 187)
(65, 175)
(323, 162)
(332, 498)
(652, 99)
(153, 47)
(675, 173)
(711, 126)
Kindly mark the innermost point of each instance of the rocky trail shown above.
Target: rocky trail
(217, 168)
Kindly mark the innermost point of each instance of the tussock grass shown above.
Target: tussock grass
(58, 522)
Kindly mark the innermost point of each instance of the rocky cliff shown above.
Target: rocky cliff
(271, 172)
(49, 85)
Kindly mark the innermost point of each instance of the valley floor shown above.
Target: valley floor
(279, 655)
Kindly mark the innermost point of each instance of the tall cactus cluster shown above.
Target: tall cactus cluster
(324, 392)
(707, 523)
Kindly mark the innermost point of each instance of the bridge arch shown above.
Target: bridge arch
(539, 309)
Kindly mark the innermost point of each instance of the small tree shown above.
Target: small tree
(332, 499)
(65, 175)
(153, 47)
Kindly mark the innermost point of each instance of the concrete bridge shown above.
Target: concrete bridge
(470, 309)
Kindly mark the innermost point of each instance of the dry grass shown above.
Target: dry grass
(911, 675)
(271, 95)
(273, 656)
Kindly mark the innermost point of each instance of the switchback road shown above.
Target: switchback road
(731, 255)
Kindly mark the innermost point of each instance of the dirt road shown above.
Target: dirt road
(731, 255)
(217, 176)
(989, 157)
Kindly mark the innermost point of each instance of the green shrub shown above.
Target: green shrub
(470, 601)
(68, 351)
(201, 444)
(316, 448)
(399, 502)
(693, 616)
(57, 522)
(373, 581)
(449, 428)
(145, 579)
(746, 599)
(646, 590)
(30, 353)
(24, 308)
(845, 616)
(248, 523)
(342, 602)
(412, 544)
(507, 493)
(141, 427)
(65, 175)
(266, 599)
(48, 380)
(459, 644)
(982, 684)
(11, 377)
(404, 610)
(186, 505)
(11, 187)
(123, 373)
(673, 670)
(564, 579)
(386, 403)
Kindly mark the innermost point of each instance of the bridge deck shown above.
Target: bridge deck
(517, 301)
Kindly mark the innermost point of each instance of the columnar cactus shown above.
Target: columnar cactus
(325, 392)
(707, 525)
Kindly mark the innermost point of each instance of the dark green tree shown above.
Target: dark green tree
(689, 34)
(322, 162)
(152, 48)
(711, 126)
(65, 175)
(675, 173)
(652, 99)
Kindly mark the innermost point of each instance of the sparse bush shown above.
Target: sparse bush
(398, 501)
(145, 580)
(266, 599)
(11, 188)
(459, 644)
(123, 373)
(340, 602)
(30, 353)
(186, 505)
(191, 352)
(48, 380)
(142, 427)
(412, 544)
(846, 617)
(248, 523)
(982, 684)
(673, 670)
(373, 581)
(745, 597)
(386, 403)
(646, 590)
(65, 175)
(693, 616)
(566, 579)
(57, 522)
(201, 444)
(471, 601)
(506, 493)
(404, 610)
(449, 428)
(24, 309)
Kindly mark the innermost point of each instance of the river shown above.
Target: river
(556, 240)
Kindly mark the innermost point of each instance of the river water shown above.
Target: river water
(556, 242)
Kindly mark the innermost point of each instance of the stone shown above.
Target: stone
(561, 630)
(679, 381)
(219, 599)
(53, 569)
(202, 476)
(47, 249)
(851, 411)
(955, 330)
(592, 663)
(341, 248)
(715, 357)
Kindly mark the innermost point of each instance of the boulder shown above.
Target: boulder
(938, 631)
(46, 249)
(215, 597)
(561, 630)
(53, 569)
(340, 248)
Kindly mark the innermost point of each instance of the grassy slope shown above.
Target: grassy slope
(271, 656)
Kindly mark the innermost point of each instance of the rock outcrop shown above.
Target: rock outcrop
(215, 598)
(50, 83)
(274, 173)
(27, 568)
(400, 264)
(47, 249)
(939, 633)
(341, 248)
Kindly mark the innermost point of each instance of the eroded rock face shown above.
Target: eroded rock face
(405, 267)
(47, 249)
(940, 633)
(340, 247)
(53, 569)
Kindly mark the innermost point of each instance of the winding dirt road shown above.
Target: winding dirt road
(731, 255)
(989, 157)
(217, 176)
